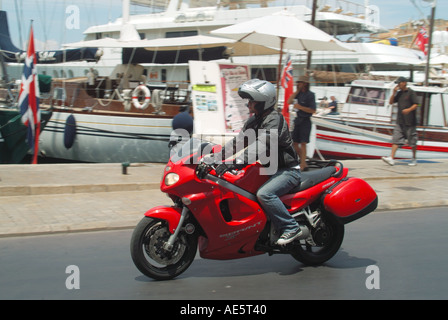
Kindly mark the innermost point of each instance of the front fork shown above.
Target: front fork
(168, 246)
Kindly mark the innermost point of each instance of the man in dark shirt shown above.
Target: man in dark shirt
(406, 127)
(305, 103)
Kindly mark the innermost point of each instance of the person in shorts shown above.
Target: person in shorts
(305, 103)
(405, 130)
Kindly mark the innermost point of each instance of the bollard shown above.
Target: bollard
(124, 167)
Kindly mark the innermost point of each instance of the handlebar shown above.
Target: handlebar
(203, 169)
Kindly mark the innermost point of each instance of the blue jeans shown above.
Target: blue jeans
(268, 195)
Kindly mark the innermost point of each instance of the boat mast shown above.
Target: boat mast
(366, 9)
(431, 27)
(126, 9)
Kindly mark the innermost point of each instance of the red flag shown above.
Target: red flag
(422, 40)
(288, 85)
(29, 98)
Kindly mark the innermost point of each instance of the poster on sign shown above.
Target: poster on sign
(218, 110)
(235, 110)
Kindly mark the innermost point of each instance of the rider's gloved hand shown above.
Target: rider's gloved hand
(224, 167)
(202, 170)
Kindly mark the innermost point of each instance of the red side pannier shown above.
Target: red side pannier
(350, 199)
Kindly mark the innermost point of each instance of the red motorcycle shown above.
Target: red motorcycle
(221, 215)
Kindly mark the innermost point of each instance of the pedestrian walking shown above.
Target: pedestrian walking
(405, 131)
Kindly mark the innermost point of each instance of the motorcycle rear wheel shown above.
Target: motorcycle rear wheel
(149, 256)
(327, 241)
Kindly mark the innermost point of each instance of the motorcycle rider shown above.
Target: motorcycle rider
(266, 121)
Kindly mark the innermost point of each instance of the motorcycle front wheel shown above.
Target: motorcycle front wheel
(152, 259)
(325, 243)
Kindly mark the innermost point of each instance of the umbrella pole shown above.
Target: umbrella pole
(309, 53)
(431, 29)
(282, 40)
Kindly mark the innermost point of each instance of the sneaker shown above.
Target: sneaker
(413, 162)
(388, 160)
(288, 237)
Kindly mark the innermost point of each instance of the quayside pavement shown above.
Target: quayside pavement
(54, 198)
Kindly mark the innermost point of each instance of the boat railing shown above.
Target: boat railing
(9, 94)
(343, 7)
(109, 89)
(172, 93)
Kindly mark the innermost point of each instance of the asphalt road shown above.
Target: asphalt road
(386, 255)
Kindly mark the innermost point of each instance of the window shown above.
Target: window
(433, 109)
(176, 34)
(367, 96)
(268, 74)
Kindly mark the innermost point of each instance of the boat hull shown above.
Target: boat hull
(331, 142)
(108, 139)
(13, 144)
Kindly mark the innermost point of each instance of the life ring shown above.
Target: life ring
(135, 95)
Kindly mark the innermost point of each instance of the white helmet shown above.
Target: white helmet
(260, 91)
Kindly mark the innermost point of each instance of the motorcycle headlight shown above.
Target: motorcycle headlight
(171, 178)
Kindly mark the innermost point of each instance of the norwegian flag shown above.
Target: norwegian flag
(288, 85)
(29, 98)
(422, 40)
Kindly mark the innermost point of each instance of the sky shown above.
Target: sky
(54, 21)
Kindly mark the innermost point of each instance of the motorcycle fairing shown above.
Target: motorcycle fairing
(169, 214)
(233, 233)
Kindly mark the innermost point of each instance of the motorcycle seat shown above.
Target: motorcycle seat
(311, 178)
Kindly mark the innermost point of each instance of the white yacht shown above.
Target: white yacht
(181, 18)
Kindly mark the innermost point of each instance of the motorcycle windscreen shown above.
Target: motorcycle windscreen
(350, 199)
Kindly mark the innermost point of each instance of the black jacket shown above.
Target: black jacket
(262, 138)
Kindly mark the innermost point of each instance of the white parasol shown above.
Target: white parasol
(282, 30)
